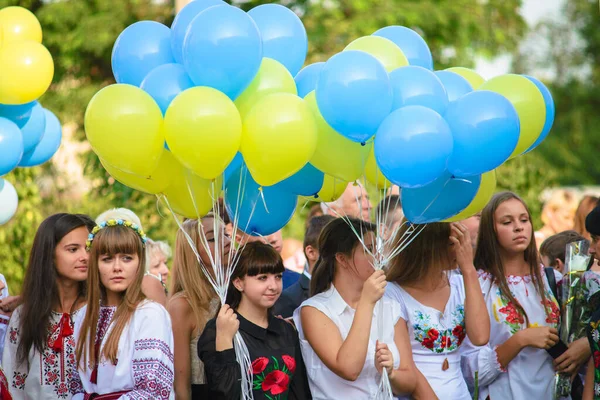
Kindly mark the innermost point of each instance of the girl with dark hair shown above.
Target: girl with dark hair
(344, 342)
(523, 312)
(277, 366)
(439, 309)
(39, 351)
(124, 342)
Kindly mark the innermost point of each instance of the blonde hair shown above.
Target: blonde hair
(110, 240)
(586, 205)
(559, 200)
(188, 280)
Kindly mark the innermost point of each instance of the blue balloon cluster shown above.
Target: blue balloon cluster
(29, 136)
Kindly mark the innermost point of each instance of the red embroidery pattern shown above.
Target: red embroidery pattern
(153, 377)
(552, 311)
(273, 378)
(18, 380)
(513, 316)
(13, 335)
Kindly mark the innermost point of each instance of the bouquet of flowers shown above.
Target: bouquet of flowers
(572, 293)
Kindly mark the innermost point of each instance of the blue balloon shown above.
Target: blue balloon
(165, 82)
(46, 148)
(306, 79)
(33, 130)
(11, 146)
(456, 86)
(223, 50)
(139, 49)
(182, 21)
(19, 114)
(485, 129)
(9, 201)
(245, 203)
(412, 146)
(411, 43)
(550, 110)
(417, 86)
(283, 35)
(233, 166)
(354, 94)
(306, 182)
(443, 198)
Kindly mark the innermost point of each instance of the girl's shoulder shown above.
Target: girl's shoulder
(148, 309)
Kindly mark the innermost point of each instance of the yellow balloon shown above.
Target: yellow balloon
(26, 71)
(332, 189)
(272, 77)
(471, 76)
(191, 196)
(336, 155)
(487, 187)
(203, 130)
(279, 138)
(374, 174)
(386, 51)
(160, 179)
(18, 24)
(529, 103)
(124, 125)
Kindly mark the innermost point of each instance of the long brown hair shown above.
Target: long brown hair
(110, 241)
(428, 253)
(338, 236)
(188, 279)
(40, 290)
(488, 258)
(586, 205)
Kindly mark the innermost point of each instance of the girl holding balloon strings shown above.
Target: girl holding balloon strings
(439, 309)
(277, 365)
(339, 326)
(192, 304)
(40, 345)
(523, 312)
(124, 341)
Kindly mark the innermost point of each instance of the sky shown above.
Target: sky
(533, 11)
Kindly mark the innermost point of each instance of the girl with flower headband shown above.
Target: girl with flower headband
(278, 371)
(440, 307)
(524, 315)
(124, 341)
(39, 351)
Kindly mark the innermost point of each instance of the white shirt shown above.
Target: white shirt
(436, 337)
(3, 318)
(324, 383)
(530, 375)
(145, 355)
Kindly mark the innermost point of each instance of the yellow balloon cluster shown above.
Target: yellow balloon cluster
(26, 65)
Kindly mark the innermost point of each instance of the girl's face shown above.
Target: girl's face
(513, 226)
(261, 290)
(118, 272)
(71, 257)
(216, 241)
(361, 262)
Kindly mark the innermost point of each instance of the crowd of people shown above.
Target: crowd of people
(467, 310)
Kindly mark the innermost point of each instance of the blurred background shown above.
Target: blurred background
(556, 41)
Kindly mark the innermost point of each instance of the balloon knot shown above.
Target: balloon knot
(260, 189)
(363, 143)
(316, 195)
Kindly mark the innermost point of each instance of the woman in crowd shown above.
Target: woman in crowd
(344, 338)
(439, 308)
(39, 350)
(193, 302)
(524, 313)
(124, 342)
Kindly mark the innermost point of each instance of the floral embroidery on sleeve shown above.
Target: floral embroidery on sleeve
(273, 377)
(552, 311)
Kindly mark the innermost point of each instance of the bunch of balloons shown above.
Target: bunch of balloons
(220, 101)
(29, 134)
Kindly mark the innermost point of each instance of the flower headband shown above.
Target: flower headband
(115, 222)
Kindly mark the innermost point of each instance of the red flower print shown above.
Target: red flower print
(290, 363)
(259, 365)
(446, 342)
(597, 359)
(277, 382)
(553, 312)
(512, 315)
(433, 334)
(427, 342)
(459, 333)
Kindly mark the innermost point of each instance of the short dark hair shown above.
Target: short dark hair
(386, 209)
(313, 229)
(555, 246)
(256, 258)
(592, 221)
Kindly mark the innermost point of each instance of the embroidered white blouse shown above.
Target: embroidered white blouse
(530, 374)
(436, 337)
(144, 358)
(324, 383)
(51, 374)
